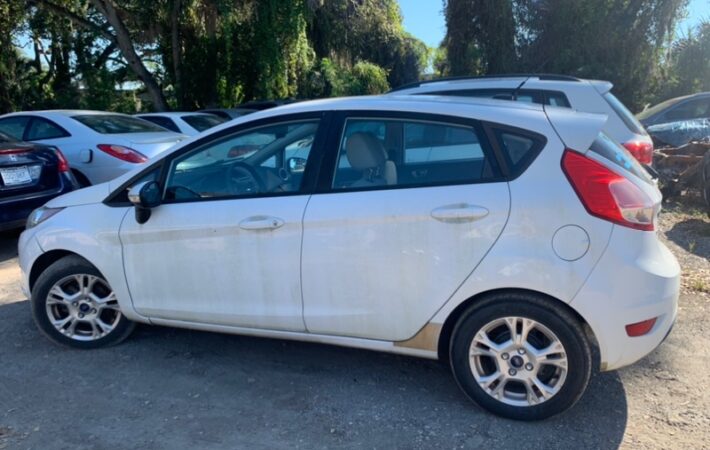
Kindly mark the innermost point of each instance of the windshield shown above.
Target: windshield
(624, 114)
(5, 138)
(653, 110)
(117, 124)
(201, 122)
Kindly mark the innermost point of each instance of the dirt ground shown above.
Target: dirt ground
(172, 389)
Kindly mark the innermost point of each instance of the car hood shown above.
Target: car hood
(85, 196)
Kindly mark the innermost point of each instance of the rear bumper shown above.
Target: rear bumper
(636, 279)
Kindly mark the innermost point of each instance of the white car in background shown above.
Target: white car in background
(98, 145)
(188, 123)
(593, 96)
(504, 238)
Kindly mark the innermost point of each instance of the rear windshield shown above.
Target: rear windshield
(201, 122)
(115, 124)
(624, 114)
(610, 150)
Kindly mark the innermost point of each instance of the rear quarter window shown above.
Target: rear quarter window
(519, 149)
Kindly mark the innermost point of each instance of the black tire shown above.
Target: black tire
(565, 327)
(58, 271)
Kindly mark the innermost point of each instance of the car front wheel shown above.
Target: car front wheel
(73, 304)
(519, 356)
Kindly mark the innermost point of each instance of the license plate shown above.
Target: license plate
(13, 176)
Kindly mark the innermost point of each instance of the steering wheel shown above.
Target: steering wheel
(243, 179)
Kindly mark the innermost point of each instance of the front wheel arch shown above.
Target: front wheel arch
(477, 300)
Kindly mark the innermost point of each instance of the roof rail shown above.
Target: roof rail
(542, 76)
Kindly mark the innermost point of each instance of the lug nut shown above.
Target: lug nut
(512, 372)
(529, 366)
(505, 356)
(75, 304)
(93, 311)
(521, 351)
(81, 315)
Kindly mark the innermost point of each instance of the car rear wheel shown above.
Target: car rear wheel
(520, 357)
(73, 304)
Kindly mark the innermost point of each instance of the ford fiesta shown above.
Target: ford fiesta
(515, 242)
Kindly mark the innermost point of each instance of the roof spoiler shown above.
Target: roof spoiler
(577, 130)
(602, 86)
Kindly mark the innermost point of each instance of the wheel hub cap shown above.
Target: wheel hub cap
(82, 307)
(518, 361)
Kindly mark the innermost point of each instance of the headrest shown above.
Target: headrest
(365, 151)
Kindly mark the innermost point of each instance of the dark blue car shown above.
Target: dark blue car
(30, 176)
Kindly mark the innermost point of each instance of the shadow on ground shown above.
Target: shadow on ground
(167, 388)
(8, 244)
(693, 235)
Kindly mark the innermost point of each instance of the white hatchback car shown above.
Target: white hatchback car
(592, 96)
(507, 239)
(98, 145)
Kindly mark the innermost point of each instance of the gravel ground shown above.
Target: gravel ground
(173, 389)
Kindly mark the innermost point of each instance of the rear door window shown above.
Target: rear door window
(619, 156)
(693, 109)
(624, 114)
(14, 126)
(388, 153)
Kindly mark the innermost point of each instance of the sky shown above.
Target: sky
(425, 20)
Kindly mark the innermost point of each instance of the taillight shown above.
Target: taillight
(641, 150)
(62, 164)
(13, 151)
(123, 153)
(606, 194)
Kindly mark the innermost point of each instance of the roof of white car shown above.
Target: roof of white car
(174, 114)
(65, 112)
(437, 104)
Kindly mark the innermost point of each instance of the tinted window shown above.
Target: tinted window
(14, 126)
(556, 99)
(519, 149)
(161, 121)
(116, 124)
(521, 95)
(618, 155)
(202, 122)
(44, 129)
(624, 114)
(390, 152)
(246, 164)
(5, 138)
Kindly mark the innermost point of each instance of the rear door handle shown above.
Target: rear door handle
(458, 213)
(261, 223)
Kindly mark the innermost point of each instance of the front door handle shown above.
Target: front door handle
(458, 213)
(261, 223)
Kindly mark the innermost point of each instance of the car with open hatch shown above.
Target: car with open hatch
(516, 242)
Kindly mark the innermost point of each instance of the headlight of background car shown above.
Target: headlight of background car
(39, 215)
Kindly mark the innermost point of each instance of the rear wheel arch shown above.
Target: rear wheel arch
(482, 298)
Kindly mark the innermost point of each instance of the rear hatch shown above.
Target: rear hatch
(27, 169)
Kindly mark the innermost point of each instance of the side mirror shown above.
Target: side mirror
(297, 165)
(144, 196)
